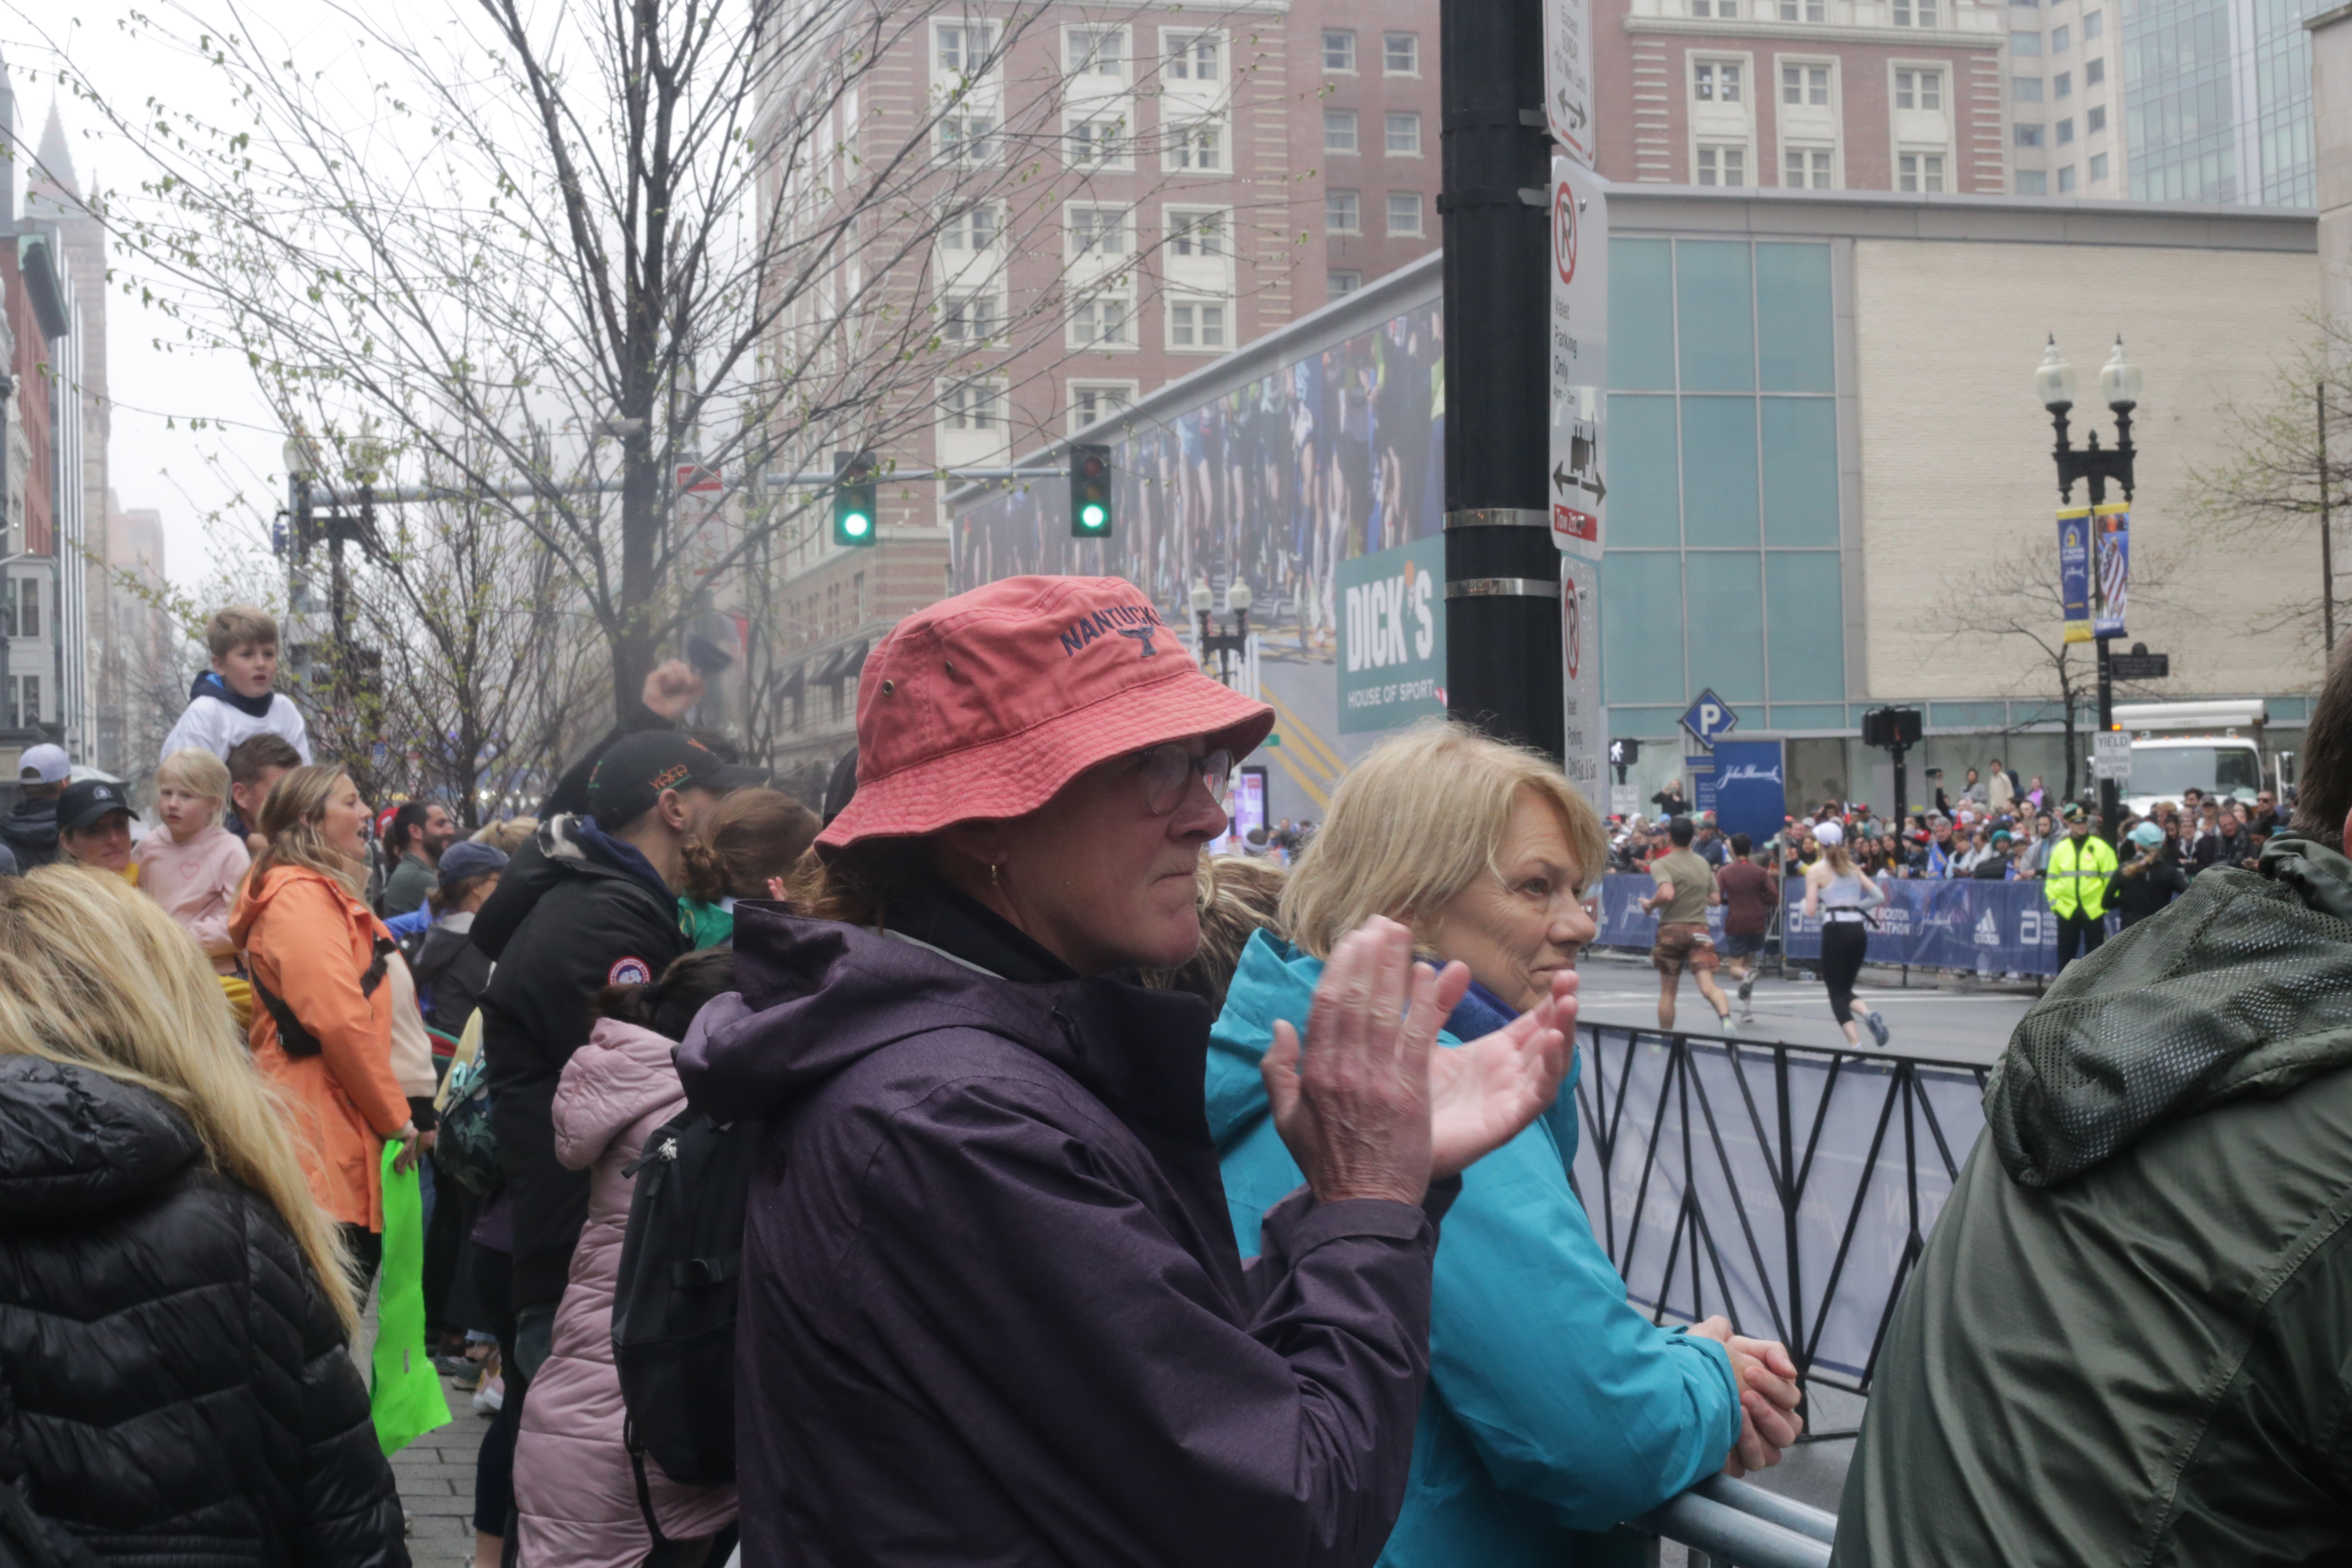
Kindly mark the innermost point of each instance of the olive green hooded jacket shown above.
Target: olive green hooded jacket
(2130, 1338)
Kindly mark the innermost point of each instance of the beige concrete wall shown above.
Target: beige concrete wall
(2331, 128)
(1956, 450)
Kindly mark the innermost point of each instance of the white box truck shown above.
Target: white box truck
(2216, 747)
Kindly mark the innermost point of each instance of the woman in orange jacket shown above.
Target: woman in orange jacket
(323, 972)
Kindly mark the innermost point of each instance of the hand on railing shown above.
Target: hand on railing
(1766, 1377)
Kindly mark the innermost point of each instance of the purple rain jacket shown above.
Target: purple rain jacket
(992, 1311)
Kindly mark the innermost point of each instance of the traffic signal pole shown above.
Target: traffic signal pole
(1503, 655)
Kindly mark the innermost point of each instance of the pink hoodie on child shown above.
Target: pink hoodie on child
(196, 884)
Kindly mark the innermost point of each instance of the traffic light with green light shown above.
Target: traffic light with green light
(853, 514)
(1089, 491)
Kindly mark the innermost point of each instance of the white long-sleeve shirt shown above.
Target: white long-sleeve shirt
(212, 725)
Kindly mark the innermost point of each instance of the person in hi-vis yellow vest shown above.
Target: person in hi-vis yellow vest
(2078, 884)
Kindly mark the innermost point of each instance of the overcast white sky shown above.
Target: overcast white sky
(157, 458)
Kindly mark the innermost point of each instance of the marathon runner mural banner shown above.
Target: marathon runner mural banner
(1327, 460)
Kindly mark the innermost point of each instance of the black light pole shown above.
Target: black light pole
(1503, 658)
(2053, 383)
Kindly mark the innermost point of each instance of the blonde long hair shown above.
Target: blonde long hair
(1417, 820)
(290, 820)
(96, 975)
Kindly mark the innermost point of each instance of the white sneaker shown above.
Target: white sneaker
(491, 1397)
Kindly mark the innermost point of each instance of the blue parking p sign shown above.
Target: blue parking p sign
(1710, 718)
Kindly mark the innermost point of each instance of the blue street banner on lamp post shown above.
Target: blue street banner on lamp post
(2111, 528)
(2075, 569)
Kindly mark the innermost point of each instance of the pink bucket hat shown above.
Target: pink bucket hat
(985, 705)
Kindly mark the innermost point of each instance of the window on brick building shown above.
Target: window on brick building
(1722, 166)
(1919, 171)
(1340, 131)
(1338, 49)
(1918, 89)
(1805, 85)
(1342, 212)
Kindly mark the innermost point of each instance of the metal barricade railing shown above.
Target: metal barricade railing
(1788, 1188)
(1742, 1526)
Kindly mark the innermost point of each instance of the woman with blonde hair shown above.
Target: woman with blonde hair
(165, 1279)
(1553, 1406)
(332, 993)
(1837, 893)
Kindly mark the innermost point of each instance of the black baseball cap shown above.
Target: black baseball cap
(82, 802)
(630, 778)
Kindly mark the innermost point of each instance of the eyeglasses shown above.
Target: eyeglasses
(1168, 772)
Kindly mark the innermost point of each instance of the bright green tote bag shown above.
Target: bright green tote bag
(406, 1397)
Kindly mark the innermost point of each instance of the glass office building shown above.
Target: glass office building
(2218, 101)
(1723, 531)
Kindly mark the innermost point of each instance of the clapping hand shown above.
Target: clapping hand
(1371, 1107)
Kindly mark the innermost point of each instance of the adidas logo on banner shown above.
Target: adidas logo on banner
(1988, 931)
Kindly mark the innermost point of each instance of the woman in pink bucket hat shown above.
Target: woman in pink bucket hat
(992, 1310)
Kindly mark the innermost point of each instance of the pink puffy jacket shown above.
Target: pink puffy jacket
(574, 1490)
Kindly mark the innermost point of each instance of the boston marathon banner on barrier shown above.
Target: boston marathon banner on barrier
(1998, 926)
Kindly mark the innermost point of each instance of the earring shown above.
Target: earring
(992, 869)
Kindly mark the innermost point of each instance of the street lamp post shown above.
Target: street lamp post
(1226, 647)
(2053, 383)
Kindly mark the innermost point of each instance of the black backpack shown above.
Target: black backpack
(674, 1305)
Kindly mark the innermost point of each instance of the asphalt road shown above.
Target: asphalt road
(1945, 1019)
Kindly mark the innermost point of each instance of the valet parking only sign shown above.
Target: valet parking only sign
(1580, 357)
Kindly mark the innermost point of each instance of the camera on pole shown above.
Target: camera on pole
(1090, 516)
(854, 496)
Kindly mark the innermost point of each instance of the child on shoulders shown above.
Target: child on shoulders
(236, 698)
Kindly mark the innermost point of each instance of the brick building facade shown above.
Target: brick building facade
(1219, 170)
(1887, 95)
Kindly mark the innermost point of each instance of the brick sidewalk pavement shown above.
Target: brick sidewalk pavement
(436, 1476)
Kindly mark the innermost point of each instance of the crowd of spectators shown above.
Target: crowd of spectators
(1999, 829)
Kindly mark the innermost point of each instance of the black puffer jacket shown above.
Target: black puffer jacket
(175, 1389)
(570, 917)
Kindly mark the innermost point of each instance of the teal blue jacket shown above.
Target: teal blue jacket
(1553, 1406)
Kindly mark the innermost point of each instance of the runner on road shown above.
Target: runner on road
(1749, 896)
(1837, 892)
(1686, 889)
